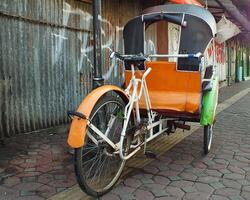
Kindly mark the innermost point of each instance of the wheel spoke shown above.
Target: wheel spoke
(100, 168)
(96, 158)
(88, 161)
(89, 151)
(96, 171)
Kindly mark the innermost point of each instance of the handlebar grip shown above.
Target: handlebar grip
(119, 56)
(197, 55)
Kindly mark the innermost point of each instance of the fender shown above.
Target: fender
(209, 104)
(78, 126)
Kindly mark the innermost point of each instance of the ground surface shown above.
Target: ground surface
(38, 166)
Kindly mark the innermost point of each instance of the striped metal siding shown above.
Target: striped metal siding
(116, 15)
(46, 59)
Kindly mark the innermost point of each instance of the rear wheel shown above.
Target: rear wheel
(208, 137)
(98, 167)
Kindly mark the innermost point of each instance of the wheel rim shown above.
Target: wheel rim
(210, 137)
(101, 168)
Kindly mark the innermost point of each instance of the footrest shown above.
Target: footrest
(182, 126)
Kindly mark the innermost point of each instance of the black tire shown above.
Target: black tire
(208, 137)
(100, 155)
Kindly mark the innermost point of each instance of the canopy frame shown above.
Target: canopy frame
(198, 27)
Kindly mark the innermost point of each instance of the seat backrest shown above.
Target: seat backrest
(164, 78)
(189, 64)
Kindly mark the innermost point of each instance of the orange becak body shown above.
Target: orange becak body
(171, 90)
(194, 2)
(78, 126)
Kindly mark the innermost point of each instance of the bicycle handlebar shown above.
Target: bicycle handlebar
(197, 55)
(147, 57)
(124, 57)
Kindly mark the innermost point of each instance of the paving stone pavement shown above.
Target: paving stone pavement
(37, 166)
(185, 173)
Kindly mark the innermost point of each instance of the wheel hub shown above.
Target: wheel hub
(104, 146)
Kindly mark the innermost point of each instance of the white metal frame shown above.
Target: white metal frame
(135, 90)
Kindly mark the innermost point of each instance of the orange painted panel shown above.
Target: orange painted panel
(78, 127)
(170, 89)
(194, 2)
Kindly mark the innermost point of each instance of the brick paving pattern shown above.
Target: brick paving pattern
(37, 166)
(185, 173)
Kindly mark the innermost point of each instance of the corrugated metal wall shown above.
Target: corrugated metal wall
(46, 58)
(238, 55)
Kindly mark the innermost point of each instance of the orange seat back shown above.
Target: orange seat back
(169, 89)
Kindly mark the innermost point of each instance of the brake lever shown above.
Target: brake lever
(147, 58)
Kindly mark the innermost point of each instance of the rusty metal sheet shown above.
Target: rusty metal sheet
(46, 58)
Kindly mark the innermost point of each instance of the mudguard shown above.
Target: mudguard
(209, 104)
(78, 126)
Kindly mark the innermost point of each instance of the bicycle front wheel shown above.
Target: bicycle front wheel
(97, 166)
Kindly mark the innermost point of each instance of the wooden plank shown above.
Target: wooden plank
(162, 38)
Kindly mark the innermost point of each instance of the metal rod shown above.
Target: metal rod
(97, 72)
(197, 55)
(42, 22)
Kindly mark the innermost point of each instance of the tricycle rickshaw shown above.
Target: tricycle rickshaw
(112, 124)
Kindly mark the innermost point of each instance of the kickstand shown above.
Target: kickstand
(149, 154)
(144, 129)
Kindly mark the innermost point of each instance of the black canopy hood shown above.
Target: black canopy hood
(199, 27)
